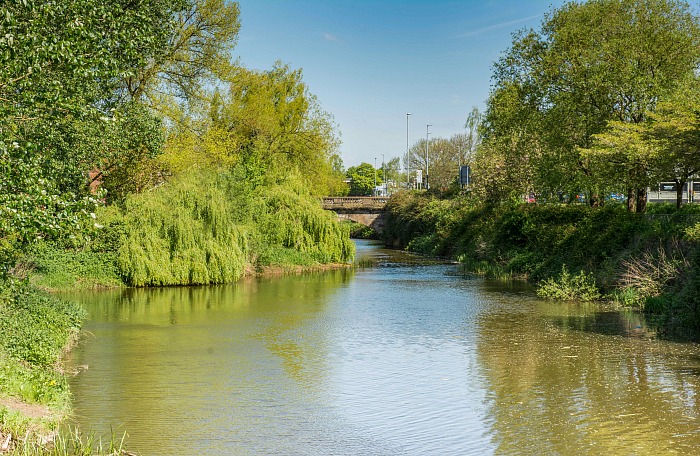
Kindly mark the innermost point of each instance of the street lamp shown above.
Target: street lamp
(408, 160)
(374, 190)
(386, 188)
(427, 185)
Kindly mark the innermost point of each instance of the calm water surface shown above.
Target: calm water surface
(405, 358)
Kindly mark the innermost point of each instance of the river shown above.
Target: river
(403, 358)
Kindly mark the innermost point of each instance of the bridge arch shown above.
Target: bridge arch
(366, 210)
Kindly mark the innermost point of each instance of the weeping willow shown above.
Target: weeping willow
(183, 233)
(293, 220)
(205, 228)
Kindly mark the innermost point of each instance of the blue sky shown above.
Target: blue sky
(371, 62)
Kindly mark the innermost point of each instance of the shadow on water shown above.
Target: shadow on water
(608, 323)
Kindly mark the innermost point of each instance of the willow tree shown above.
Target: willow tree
(273, 124)
(590, 64)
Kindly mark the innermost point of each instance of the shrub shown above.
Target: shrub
(567, 287)
(35, 325)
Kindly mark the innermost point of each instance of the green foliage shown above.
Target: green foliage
(31, 208)
(360, 231)
(36, 328)
(53, 267)
(32, 384)
(201, 36)
(293, 220)
(628, 297)
(129, 139)
(648, 261)
(35, 325)
(568, 287)
(54, 94)
(206, 227)
(364, 177)
(570, 102)
(185, 232)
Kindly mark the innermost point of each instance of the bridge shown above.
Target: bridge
(366, 210)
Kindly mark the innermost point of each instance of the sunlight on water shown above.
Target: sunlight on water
(403, 358)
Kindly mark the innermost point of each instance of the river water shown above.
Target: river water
(403, 358)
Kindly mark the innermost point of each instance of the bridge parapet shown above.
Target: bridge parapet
(345, 203)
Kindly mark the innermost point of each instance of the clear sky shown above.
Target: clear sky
(371, 62)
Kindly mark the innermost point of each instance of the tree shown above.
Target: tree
(393, 169)
(666, 146)
(590, 64)
(675, 130)
(200, 39)
(274, 124)
(363, 178)
(60, 63)
(467, 143)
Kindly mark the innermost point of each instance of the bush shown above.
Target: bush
(567, 287)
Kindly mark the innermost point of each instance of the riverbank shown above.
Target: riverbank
(38, 330)
(648, 261)
(33, 381)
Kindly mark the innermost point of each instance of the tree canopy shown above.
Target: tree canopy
(590, 67)
(93, 93)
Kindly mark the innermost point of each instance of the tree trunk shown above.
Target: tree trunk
(679, 192)
(631, 200)
(641, 200)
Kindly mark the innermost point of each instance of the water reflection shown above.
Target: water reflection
(405, 358)
(192, 370)
(567, 379)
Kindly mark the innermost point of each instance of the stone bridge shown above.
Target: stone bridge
(366, 210)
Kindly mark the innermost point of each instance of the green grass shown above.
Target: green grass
(56, 269)
(36, 330)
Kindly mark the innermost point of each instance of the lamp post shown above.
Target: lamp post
(386, 188)
(408, 160)
(374, 190)
(427, 185)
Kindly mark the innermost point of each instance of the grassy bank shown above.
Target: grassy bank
(196, 229)
(37, 329)
(650, 261)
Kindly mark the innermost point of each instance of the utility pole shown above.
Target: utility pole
(374, 190)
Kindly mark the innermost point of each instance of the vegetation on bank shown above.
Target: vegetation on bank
(650, 261)
(135, 149)
(35, 330)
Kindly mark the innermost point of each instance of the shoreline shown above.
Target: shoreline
(42, 421)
